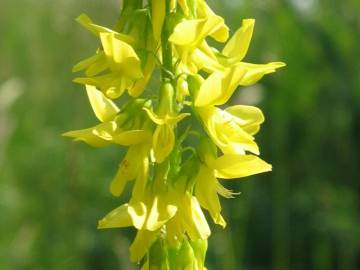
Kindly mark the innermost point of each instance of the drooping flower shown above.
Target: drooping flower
(165, 120)
(112, 129)
(232, 129)
(227, 166)
(120, 59)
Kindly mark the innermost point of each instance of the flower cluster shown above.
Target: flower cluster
(179, 141)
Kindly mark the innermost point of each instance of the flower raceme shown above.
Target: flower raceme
(175, 176)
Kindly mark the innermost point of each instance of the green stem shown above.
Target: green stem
(167, 56)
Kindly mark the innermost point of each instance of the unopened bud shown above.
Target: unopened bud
(167, 100)
(158, 256)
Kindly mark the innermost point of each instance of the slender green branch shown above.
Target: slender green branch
(167, 57)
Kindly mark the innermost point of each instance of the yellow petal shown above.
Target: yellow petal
(220, 34)
(203, 57)
(238, 45)
(254, 72)
(122, 54)
(248, 117)
(88, 62)
(167, 119)
(199, 227)
(106, 130)
(210, 90)
(87, 136)
(141, 181)
(192, 32)
(218, 88)
(117, 218)
(128, 170)
(186, 33)
(184, 6)
(172, 120)
(158, 17)
(225, 132)
(139, 86)
(141, 245)
(236, 166)
(103, 107)
(118, 183)
(87, 23)
(131, 137)
(182, 89)
(112, 85)
(163, 142)
(138, 212)
(154, 117)
(174, 231)
(206, 188)
(161, 211)
(216, 28)
(92, 136)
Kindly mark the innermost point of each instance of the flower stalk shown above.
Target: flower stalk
(167, 55)
(175, 176)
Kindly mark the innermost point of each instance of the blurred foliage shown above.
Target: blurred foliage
(303, 215)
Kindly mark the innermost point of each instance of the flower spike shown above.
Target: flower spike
(181, 146)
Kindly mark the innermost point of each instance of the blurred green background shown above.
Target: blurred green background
(303, 215)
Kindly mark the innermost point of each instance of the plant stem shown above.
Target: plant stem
(167, 57)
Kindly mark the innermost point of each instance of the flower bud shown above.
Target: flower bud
(182, 88)
(167, 100)
(158, 256)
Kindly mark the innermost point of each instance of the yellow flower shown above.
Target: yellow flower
(232, 129)
(164, 137)
(119, 58)
(220, 85)
(189, 40)
(150, 213)
(228, 166)
(110, 130)
(153, 209)
(200, 10)
(221, 34)
(171, 186)
(158, 17)
(189, 219)
(235, 50)
(129, 167)
(207, 188)
(227, 71)
(104, 108)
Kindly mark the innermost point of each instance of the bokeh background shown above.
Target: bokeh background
(303, 215)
